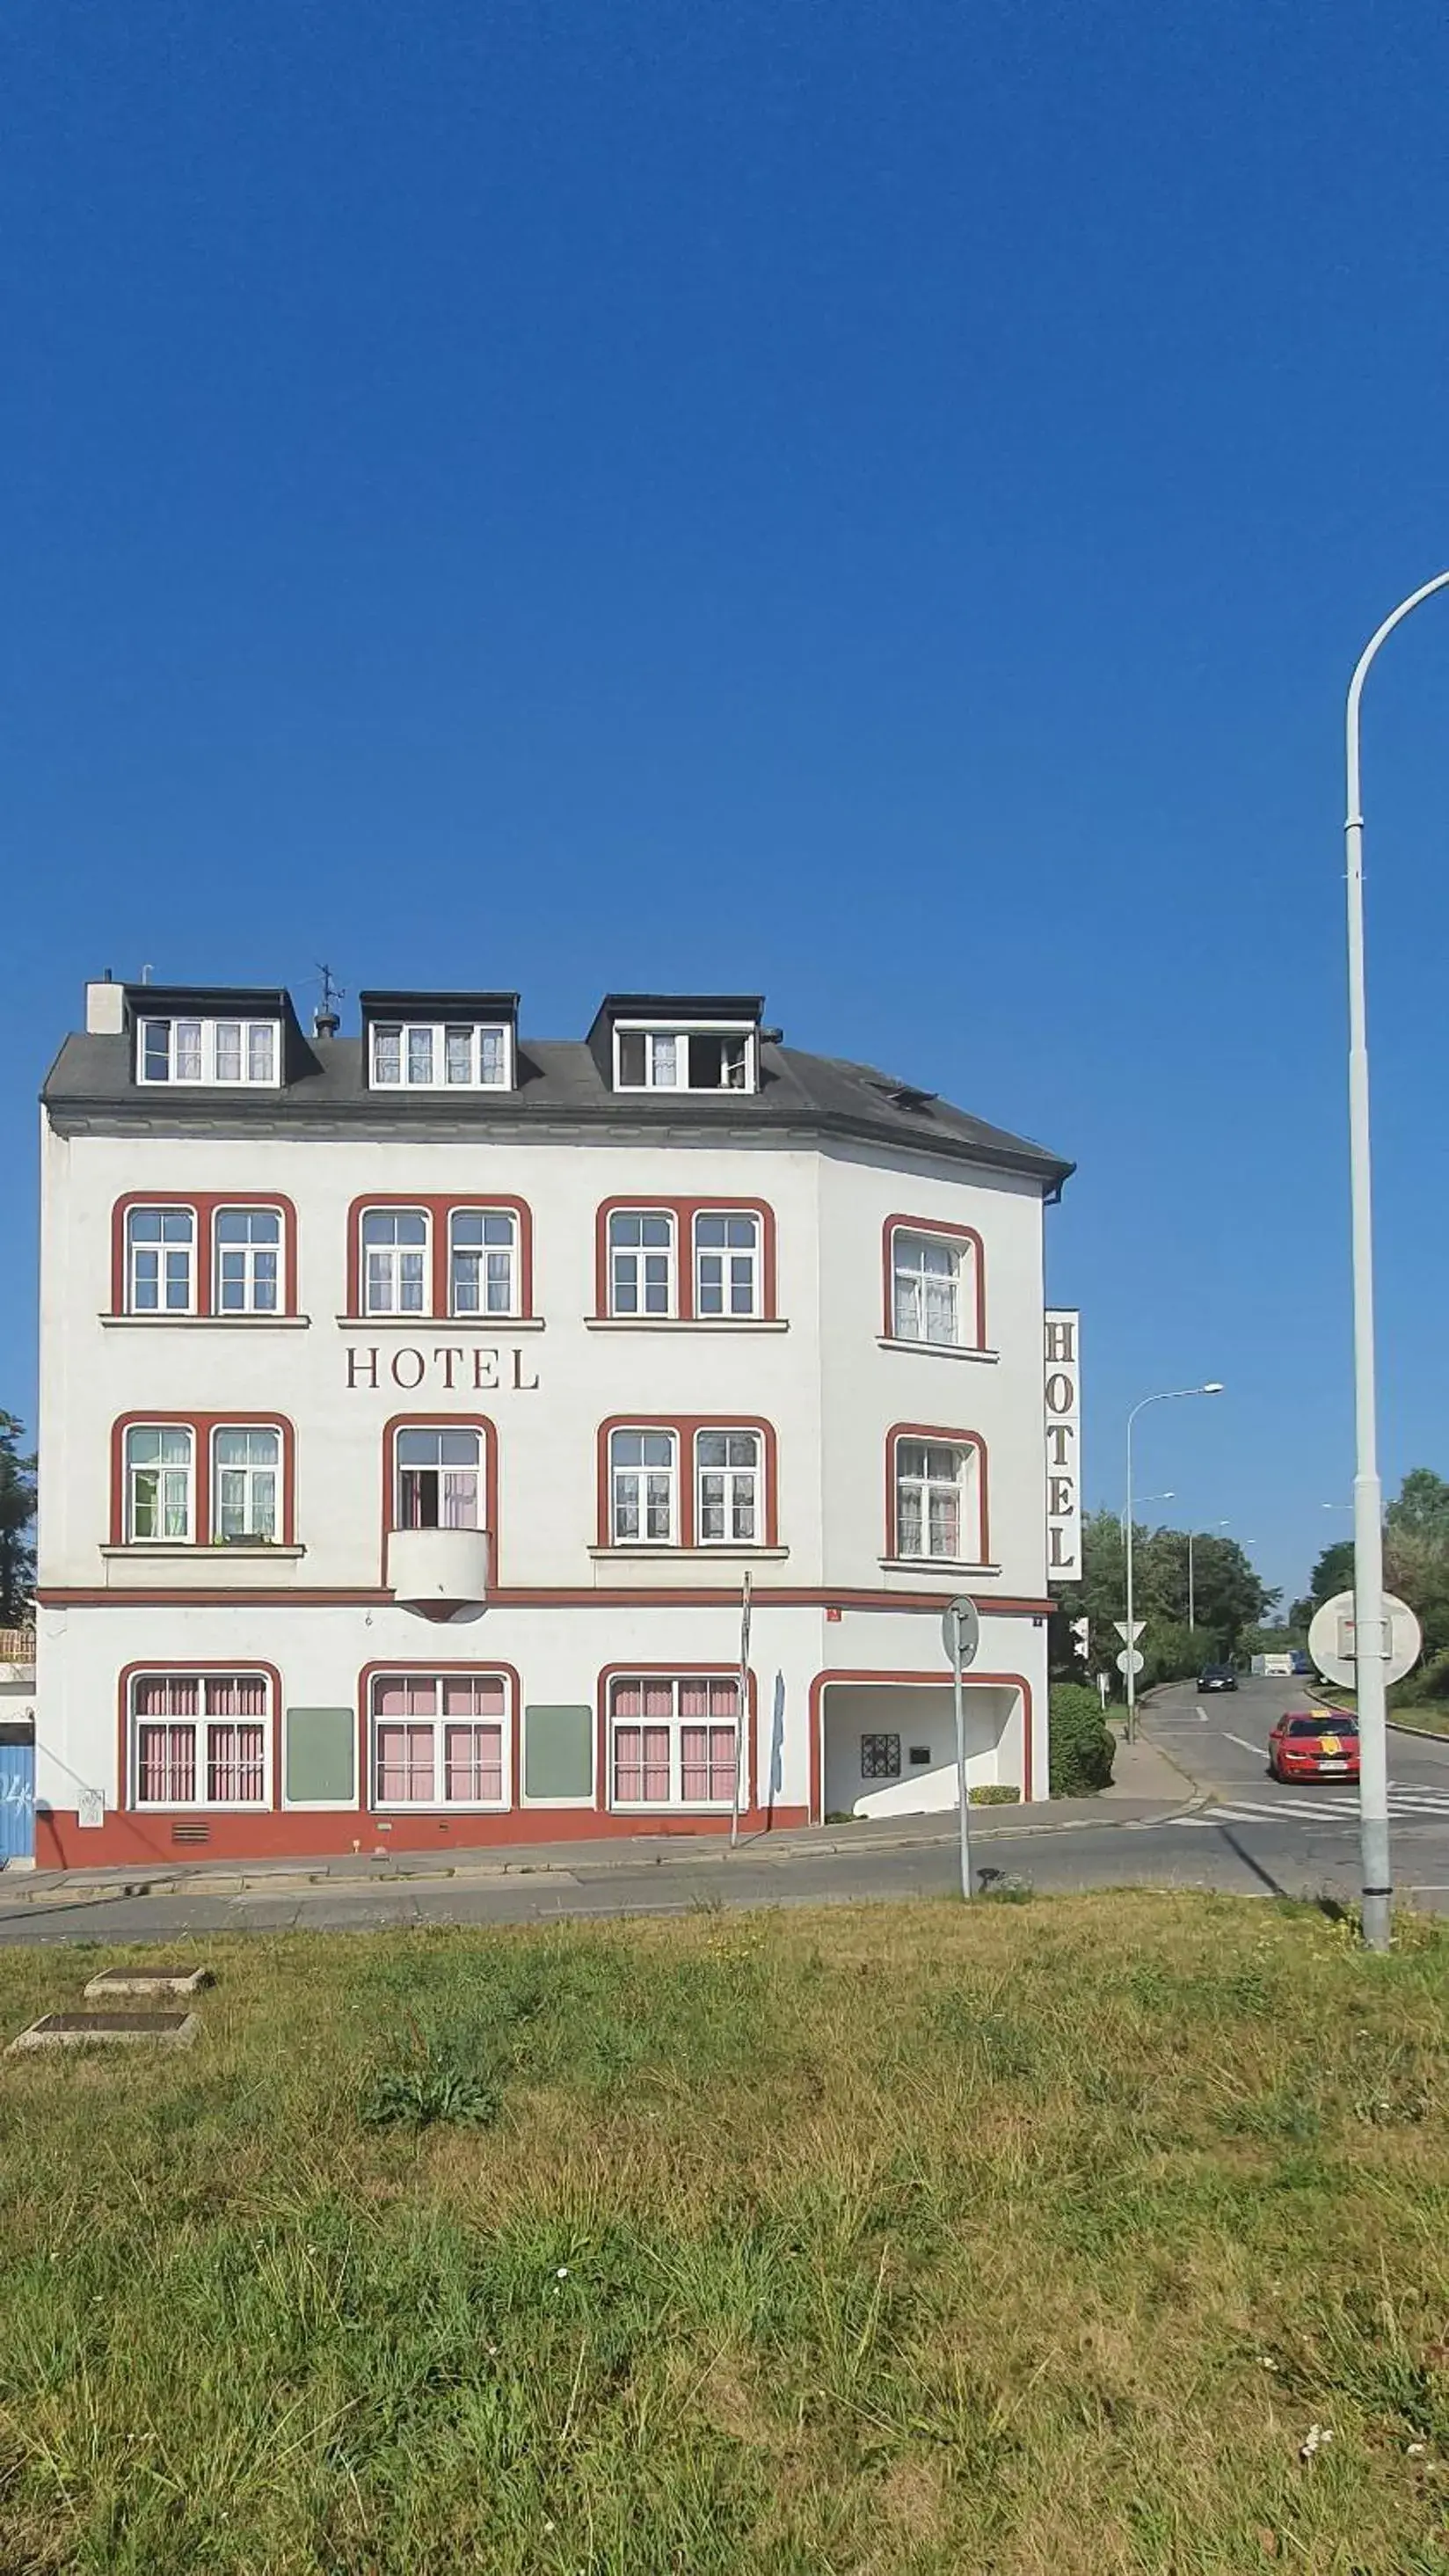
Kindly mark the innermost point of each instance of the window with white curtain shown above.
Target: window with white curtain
(483, 1261)
(938, 1500)
(184, 1049)
(684, 1059)
(643, 1488)
(160, 1481)
(727, 1488)
(437, 1478)
(246, 1461)
(930, 1289)
(440, 1055)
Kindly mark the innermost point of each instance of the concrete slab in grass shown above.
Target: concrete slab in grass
(107, 2030)
(171, 1980)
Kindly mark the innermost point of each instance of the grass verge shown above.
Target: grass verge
(890, 2242)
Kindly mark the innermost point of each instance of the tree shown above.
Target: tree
(1229, 1599)
(1333, 1573)
(17, 1516)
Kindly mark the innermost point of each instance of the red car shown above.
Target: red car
(1314, 1744)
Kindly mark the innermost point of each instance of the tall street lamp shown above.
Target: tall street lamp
(1168, 1395)
(1370, 1636)
(1210, 1532)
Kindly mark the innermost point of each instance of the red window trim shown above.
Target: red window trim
(203, 1205)
(684, 1212)
(166, 1667)
(431, 1664)
(957, 1440)
(930, 1225)
(201, 1426)
(438, 1208)
(443, 1422)
(685, 1426)
(720, 1670)
(936, 1681)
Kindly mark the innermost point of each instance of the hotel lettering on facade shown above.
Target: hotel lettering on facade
(414, 1405)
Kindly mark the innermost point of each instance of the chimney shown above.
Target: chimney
(325, 1024)
(105, 1008)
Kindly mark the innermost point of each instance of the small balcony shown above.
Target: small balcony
(439, 1574)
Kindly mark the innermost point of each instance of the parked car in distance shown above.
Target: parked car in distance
(1302, 1663)
(1217, 1677)
(1314, 1744)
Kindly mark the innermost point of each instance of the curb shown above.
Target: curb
(294, 1882)
(1396, 1725)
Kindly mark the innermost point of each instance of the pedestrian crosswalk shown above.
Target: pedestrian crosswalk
(1407, 1805)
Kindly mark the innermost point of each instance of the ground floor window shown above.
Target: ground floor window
(440, 1740)
(200, 1739)
(672, 1739)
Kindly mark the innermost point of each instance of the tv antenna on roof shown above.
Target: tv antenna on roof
(326, 1023)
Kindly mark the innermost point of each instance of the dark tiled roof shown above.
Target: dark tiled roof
(560, 1087)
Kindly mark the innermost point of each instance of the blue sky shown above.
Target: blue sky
(875, 503)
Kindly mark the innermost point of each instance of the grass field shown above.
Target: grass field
(1432, 1715)
(890, 2241)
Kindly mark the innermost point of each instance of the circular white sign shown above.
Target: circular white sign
(961, 1618)
(1131, 1660)
(1331, 1638)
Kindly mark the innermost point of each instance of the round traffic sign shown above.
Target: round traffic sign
(1131, 1660)
(961, 1620)
(1331, 1638)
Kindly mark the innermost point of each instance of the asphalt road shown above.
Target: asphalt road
(1235, 1830)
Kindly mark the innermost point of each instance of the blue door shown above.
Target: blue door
(17, 1802)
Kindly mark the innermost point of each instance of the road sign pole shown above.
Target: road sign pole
(963, 1801)
(961, 1634)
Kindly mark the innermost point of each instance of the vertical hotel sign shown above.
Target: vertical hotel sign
(1063, 1397)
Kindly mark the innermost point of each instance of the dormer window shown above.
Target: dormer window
(231, 1052)
(440, 1055)
(684, 1059)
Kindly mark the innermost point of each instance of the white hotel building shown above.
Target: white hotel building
(414, 1405)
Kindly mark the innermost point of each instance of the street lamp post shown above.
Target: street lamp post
(1368, 1540)
(1168, 1395)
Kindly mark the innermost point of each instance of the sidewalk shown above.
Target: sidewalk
(1144, 1771)
(1147, 1789)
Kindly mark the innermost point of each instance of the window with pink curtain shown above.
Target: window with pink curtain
(674, 1739)
(166, 1766)
(439, 1739)
(236, 1766)
(404, 1764)
(201, 1739)
(641, 1765)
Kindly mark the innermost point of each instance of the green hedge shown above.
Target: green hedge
(1081, 1743)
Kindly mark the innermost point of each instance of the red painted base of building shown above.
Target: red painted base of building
(170, 1841)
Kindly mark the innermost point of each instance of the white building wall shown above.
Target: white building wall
(821, 1378)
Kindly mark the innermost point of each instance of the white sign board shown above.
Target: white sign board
(1131, 1660)
(1334, 1646)
(1062, 1391)
(1121, 1627)
(961, 1629)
